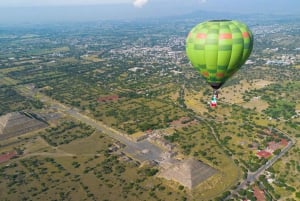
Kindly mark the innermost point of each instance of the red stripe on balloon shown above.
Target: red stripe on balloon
(225, 36)
(201, 35)
(245, 35)
(219, 75)
(205, 74)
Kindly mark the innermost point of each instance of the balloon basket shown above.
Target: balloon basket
(213, 102)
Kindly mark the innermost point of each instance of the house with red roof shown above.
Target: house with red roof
(284, 142)
(273, 146)
(259, 194)
(263, 154)
(7, 156)
(105, 99)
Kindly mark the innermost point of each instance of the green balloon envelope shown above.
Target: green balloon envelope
(218, 48)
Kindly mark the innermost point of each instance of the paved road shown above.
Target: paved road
(141, 151)
(253, 176)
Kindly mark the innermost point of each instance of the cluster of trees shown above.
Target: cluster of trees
(66, 132)
(268, 187)
(281, 98)
(32, 176)
(142, 116)
(12, 101)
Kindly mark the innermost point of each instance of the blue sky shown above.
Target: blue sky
(57, 10)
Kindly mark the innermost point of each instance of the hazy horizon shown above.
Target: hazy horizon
(33, 11)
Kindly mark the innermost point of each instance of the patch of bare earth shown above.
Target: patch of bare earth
(234, 94)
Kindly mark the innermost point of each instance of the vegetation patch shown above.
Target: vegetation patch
(12, 101)
(66, 132)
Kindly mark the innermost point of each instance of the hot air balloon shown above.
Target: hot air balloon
(217, 49)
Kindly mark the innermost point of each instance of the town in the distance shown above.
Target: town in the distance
(113, 110)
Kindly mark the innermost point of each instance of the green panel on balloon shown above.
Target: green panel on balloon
(218, 48)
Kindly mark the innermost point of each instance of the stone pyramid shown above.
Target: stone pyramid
(189, 173)
(18, 123)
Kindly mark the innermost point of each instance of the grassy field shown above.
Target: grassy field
(234, 94)
(82, 169)
(92, 58)
(257, 104)
(195, 101)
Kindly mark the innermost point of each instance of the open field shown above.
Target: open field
(196, 102)
(257, 104)
(92, 58)
(234, 94)
(84, 167)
